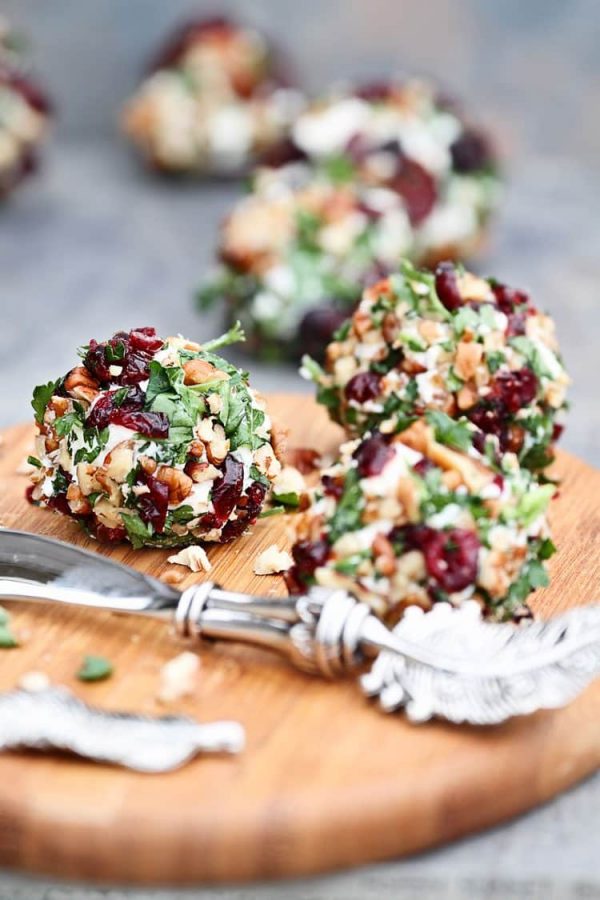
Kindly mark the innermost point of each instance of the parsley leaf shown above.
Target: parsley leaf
(347, 516)
(95, 668)
(41, 397)
(448, 431)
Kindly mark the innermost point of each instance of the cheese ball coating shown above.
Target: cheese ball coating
(373, 176)
(159, 442)
(408, 520)
(215, 101)
(473, 348)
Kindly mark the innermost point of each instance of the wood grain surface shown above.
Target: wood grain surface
(326, 780)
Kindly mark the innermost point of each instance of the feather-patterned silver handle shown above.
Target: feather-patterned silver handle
(54, 719)
(447, 663)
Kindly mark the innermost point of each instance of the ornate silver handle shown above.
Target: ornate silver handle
(447, 663)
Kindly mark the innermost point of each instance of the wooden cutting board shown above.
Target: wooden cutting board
(326, 780)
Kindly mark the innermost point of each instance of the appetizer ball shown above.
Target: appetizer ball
(214, 102)
(24, 114)
(374, 175)
(470, 347)
(406, 519)
(159, 442)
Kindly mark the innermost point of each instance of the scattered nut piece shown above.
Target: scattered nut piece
(289, 481)
(172, 576)
(34, 682)
(177, 677)
(272, 560)
(193, 557)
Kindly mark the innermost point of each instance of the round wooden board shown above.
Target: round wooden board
(326, 780)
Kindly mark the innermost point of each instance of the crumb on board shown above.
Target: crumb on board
(272, 560)
(172, 576)
(193, 557)
(177, 677)
(33, 681)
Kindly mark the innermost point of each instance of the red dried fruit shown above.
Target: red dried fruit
(451, 558)
(150, 424)
(508, 298)
(152, 507)
(227, 489)
(318, 327)
(471, 152)
(332, 487)
(247, 514)
(416, 187)
(109, 535)
(308, 556)
(105, 406)
(363, 387)
(129, 351)
(514, 390)
(372, 455)
(446, 286)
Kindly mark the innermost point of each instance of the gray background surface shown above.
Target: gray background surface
(94, 244)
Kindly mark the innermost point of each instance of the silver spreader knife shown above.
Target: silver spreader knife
(447, 663)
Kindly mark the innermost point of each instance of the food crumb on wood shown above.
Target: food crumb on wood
(177, 677)
(33, 682)
(172, 576)
(193, 557)
(272, 560)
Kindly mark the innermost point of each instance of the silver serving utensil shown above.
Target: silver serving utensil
(447, 663)
(54, 719)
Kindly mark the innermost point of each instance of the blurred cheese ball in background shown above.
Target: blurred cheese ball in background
(370, 176)
(159, 442)
(409, 520)
(474, 349)
(24, 112)
(216, 100)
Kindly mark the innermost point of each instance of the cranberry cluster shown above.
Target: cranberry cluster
(130, 351)
(111, 407)
(307, 556)
(372, 455)
(451, 557)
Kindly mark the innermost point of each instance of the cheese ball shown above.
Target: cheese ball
(24, 114)
(216, 99)
(158, 442)
(406, 519)
(372, 176)
(473, 348)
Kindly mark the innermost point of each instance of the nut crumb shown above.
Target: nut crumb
(34, 681)
(193, 557)
(177, 677)
(272, 560)
(172, 576)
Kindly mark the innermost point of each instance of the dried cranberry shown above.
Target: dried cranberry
(109, 535)
(150, 424)
(446, 286)
(318, 327)
(363, 387)
(516, 325)
(470, 152)
(332, 487)
(145, 340)
(152, 507)
(105, 407)
(136, 368)
(228, 488)
(249, 507)
(29, 494)
(374, 91)
(515, 390)
(308, 556)
(508, 298)
(423, 466)
(557, 431)
(451, 558)
(281, 154)
(416, 187)
(372, 455)
(31, 92)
